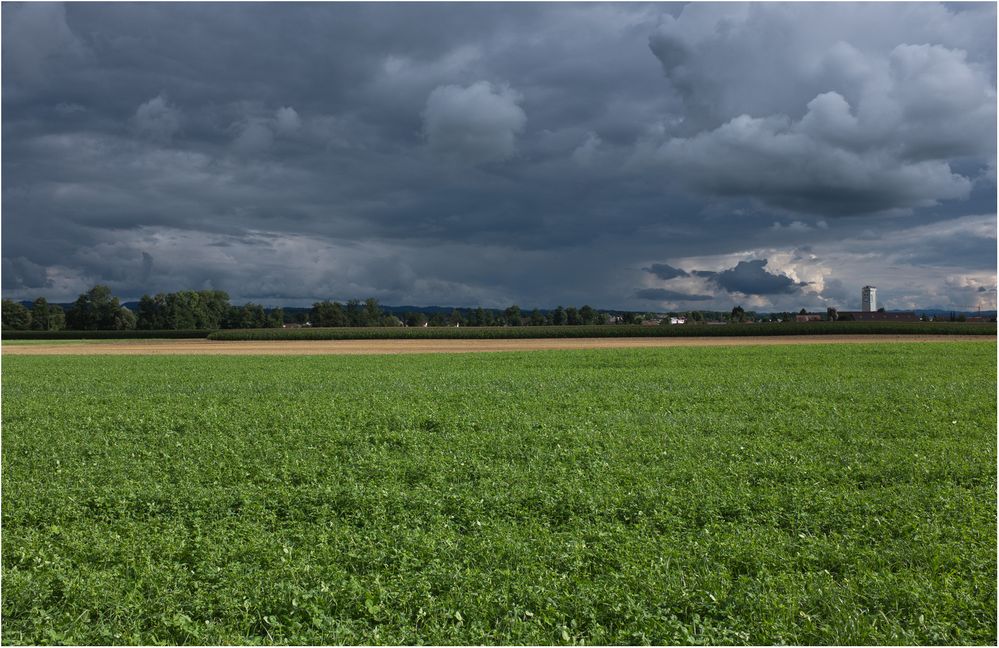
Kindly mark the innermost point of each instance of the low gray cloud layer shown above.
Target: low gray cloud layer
(623, 155)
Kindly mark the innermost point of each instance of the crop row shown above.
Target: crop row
(520, 332)
(132, 334)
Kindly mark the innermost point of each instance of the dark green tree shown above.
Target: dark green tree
(536, 318)
(246, 316)
(327, 313)
(150, 315)
(355, 313)
(558, 316)
(125, 320)
(630, 318)
(275, 318)
(214, 306)
(512, 316)
(372, 312)
(416, 319)
(182, 310)
(572, 316)
(96, 310)
(186, 309)
(15, 316)
(57, 318)
(40, 315)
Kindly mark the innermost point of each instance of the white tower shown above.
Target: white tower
(869, 299)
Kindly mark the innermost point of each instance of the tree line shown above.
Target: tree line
(369, 313)
(99, 309)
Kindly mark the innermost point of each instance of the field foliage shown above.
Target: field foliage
(518, 332)
(131, 334)
(744, 495)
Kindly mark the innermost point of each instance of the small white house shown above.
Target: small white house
(678, 320)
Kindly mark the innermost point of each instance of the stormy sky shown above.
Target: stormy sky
(639, 156)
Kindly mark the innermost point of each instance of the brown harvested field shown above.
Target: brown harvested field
(360, 347)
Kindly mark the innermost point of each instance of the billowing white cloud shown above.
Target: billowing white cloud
(478, 123)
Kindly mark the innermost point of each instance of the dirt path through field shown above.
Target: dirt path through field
(357, 347)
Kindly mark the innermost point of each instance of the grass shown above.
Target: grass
(812, 494)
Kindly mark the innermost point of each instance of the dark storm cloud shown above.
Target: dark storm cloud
(665, 271)
(747, 278)
(489, 153)
(147, 266)
(19, 273)
(751, 278)
(664, 294)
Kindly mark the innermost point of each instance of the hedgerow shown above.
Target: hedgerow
(133, 334)
(519, 332)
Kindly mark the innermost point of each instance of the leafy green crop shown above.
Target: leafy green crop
(808, 494)
(518, 332)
